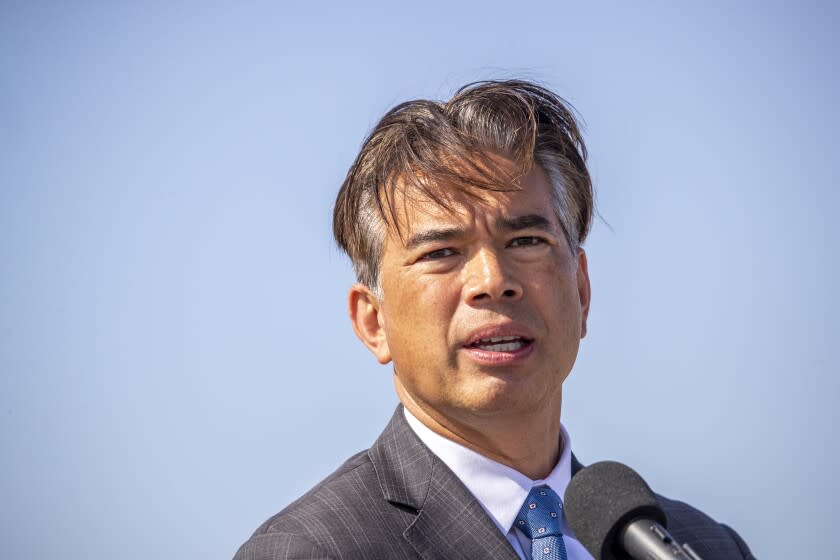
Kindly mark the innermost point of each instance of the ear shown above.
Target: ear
(368, 321)
(584, 289)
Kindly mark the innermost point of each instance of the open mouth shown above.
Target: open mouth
(501, 343)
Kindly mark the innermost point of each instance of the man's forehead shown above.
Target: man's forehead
(444, 204)
(527, 205)
(461, 181)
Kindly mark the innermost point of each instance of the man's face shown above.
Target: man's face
(483, 308)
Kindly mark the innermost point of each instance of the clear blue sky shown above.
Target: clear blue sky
(175, 360)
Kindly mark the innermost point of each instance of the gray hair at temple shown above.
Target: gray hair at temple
(439, 148)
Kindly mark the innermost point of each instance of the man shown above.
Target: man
(464, 221)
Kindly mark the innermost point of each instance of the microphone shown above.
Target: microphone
(616, 516)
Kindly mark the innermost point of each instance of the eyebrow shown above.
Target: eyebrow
(528, 221)
(516, 223)
(432, 236)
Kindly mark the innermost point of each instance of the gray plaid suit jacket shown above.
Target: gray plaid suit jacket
(399, 500)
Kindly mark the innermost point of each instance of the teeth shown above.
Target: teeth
(502, 346)
(498, 339)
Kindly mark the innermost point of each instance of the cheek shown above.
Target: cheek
(417, 318)
(425, 301)
(557, 293)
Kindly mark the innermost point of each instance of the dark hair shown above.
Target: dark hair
(436, 147)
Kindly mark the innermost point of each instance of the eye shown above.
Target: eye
(527, 241)
(438, 254)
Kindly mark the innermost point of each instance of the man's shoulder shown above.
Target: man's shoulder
(339, 490)
(342, 513)
(709, 538)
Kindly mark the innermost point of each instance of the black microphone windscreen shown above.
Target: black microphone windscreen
(601, 500)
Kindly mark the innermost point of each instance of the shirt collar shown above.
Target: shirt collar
(499, 489)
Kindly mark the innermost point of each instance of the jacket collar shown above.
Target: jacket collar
(450, 523)
(576, 465)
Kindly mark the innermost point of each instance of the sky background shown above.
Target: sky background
(176, 364)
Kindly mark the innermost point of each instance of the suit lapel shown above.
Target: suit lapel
(576, 465)
(450, 523)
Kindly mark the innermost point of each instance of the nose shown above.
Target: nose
(489, 278)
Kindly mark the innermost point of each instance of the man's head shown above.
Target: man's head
(442, 147)
(464, 222)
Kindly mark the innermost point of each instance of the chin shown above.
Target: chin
(500, 396)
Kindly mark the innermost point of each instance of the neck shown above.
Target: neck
(528, 442)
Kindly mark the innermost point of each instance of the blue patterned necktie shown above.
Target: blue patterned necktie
(539, 518)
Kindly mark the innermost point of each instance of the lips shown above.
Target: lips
(500, 343)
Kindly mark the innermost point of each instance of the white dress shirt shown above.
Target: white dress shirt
(501, 490)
